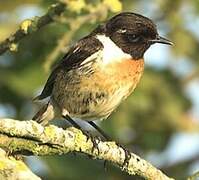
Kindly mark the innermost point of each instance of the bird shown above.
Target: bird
(99, 71)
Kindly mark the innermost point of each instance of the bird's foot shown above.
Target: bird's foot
(94, 139)
(127, 156)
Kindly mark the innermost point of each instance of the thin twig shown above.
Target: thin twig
(30, 26)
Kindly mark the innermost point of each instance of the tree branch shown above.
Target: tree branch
(195, 176)
(30, 26)
(29, 137)
(10, 168)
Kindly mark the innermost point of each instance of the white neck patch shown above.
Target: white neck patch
(111, 52)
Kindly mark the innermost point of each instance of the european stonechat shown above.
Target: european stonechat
(100, 70)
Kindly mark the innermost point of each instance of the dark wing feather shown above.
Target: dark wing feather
(75, 56)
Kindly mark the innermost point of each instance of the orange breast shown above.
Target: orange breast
(127, 69)
(125, 73)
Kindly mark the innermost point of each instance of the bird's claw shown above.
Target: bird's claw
(127, 157)
(95, 141)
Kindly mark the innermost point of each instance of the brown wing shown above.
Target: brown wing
(75, 56)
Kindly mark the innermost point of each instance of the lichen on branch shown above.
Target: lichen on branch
(29, 137)
(30, 26)
(11, 168)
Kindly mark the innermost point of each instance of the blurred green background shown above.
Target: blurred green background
(159, 121)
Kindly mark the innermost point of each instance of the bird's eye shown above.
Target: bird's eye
(122, 30)
(133, 38)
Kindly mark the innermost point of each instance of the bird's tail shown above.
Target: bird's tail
(45, 114)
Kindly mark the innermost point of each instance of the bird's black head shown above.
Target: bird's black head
(133, 33)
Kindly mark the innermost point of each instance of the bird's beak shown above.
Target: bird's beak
(161, 40)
